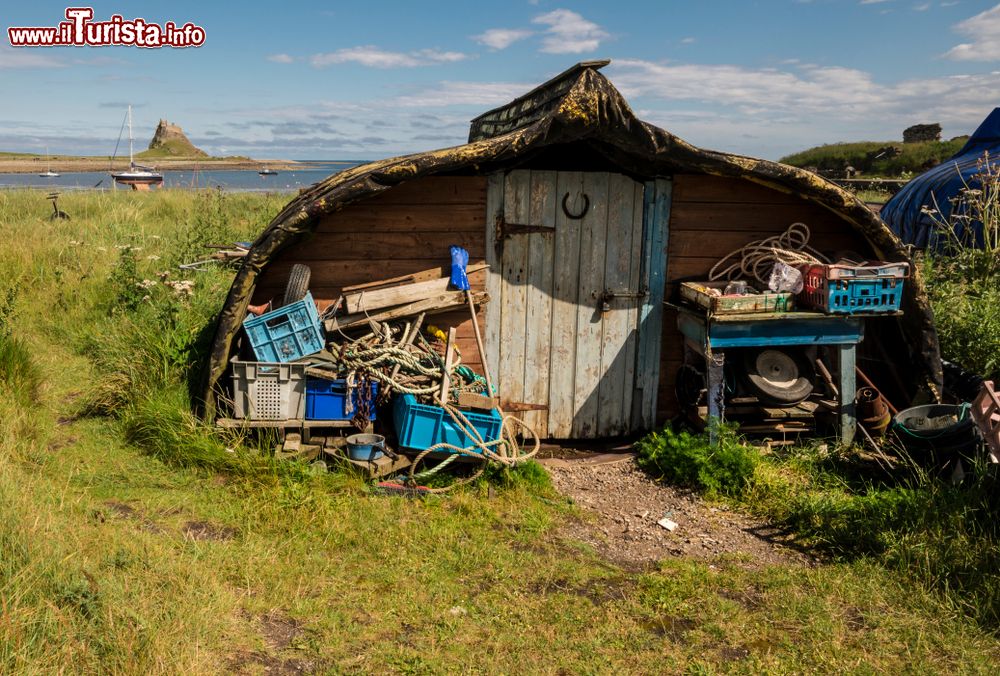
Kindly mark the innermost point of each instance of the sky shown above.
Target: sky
(367, 80)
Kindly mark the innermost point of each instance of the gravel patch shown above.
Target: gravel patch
(623, 505)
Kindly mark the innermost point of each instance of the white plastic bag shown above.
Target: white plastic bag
(785, 278)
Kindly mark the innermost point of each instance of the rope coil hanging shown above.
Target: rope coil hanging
(756, 259)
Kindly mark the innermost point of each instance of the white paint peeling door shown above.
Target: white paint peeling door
(568, 285)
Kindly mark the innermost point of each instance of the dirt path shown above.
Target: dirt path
(625, 505)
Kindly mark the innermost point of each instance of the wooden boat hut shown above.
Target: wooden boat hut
(587, 217)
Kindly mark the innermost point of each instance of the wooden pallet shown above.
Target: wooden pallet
(333, 448)
(241, 423)
(986, 412)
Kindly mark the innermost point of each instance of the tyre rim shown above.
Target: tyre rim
(777, 368)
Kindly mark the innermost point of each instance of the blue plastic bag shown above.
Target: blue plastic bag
(459, 259)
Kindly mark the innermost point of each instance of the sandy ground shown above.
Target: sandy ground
(622, 506)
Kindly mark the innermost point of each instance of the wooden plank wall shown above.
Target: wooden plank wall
(405, 230)
(711, 216)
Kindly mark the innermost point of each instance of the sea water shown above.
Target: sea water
(245, 180)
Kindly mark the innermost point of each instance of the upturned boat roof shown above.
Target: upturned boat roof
(578, 106)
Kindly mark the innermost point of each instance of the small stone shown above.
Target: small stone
(458, 611)
(667, 523)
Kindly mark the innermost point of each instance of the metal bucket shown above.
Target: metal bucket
(365, 447)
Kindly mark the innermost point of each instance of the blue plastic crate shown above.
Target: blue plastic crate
(842, 289)
(286, 334)
(327, 399)
(419, 426)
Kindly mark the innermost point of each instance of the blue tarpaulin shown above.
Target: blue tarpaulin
(903, 213)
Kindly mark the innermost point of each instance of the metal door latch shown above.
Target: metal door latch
(609, 295)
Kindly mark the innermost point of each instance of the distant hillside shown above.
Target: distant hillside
(888, 159)
(169, 140)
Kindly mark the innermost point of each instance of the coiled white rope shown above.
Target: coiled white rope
(756, 259)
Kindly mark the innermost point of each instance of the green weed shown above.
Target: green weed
(725, 468)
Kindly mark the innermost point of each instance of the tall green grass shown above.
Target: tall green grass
(109, 280)
(103, 570)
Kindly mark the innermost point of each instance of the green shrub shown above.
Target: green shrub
(529, 475)
(964, 282)
(726, 468)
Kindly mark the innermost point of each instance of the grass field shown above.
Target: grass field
(136, 540)
(868, 157)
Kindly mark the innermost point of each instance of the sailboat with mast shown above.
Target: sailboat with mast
(48, 173)
(136, 175)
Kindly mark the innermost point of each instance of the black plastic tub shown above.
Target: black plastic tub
(937, 443)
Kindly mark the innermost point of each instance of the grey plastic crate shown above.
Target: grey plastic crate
(268, 391)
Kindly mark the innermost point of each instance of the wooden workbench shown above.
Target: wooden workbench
(710, 335)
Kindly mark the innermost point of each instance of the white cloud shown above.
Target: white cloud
(373, 57)
(688, 41)
(922, 7)
(437, 56)
(795, 106)
(502, 38)
(280, 58)
(27, 57)
(569, 33)
(464, 93)
(872, 2)
(983, 31)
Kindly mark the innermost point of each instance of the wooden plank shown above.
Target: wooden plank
(449, 362)
(694, 242)
(716, 383)
(376, 299)
(538, 327)
(588, 317)
(381, 466)
(656, 226)
(432, 305)
(614, 324)
(565, 291)
(345, 273)
(436, 189)
(514, 266)
(754, 218)
(327, 283)
(716, 189)
(409, 279)
(338, 246)
(691, 266)
(494, 278)
(372, 217)
(636, 282)
(477, 401)
(848, 388)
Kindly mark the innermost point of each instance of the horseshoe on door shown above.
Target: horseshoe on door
(583, 212)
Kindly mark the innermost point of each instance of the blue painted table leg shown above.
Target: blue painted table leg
(715, 361)
(848, 388)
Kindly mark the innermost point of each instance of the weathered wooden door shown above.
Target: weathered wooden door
(576, 286)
